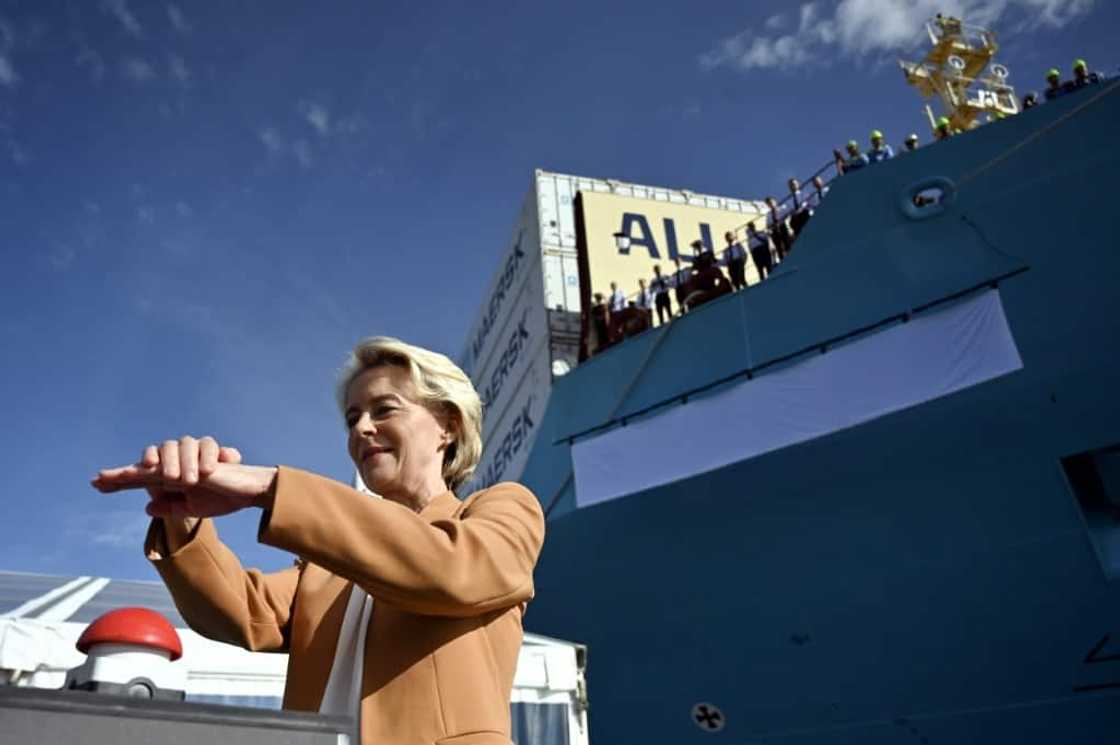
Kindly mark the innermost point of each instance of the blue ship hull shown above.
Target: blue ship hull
(927, 577)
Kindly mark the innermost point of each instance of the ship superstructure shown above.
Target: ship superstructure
(960, 70)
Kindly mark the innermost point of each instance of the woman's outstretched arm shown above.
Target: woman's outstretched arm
(214, 594)
(463, 565)
(479, 561)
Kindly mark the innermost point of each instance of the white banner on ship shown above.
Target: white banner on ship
(933, 355)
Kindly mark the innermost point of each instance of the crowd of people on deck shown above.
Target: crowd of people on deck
(617, 316)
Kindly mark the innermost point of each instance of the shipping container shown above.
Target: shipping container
(528, 326)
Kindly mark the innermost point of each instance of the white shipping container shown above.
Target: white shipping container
(506, 450)
(526, 337)
(508, 352)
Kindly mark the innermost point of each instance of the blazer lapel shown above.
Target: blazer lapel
(324, 597)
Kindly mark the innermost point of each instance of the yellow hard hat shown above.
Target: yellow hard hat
(943, 121)
(853, 145)
(876, 134)
(1079, 64)
(1053, 73)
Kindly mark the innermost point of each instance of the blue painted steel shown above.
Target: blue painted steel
(926, 577)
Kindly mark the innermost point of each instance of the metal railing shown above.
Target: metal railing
(785, 208)
(784, 213)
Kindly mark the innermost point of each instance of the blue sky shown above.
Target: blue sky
(203, 206)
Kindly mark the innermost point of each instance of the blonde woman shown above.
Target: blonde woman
(405, 611)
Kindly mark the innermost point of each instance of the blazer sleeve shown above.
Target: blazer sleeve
(218, 598)
(464, 565)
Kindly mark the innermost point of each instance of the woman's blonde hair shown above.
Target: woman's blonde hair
(440, 385)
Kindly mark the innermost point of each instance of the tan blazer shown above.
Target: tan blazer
(450, 586)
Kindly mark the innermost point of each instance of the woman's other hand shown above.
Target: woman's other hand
(189, 478)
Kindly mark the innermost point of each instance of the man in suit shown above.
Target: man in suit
(735, 256)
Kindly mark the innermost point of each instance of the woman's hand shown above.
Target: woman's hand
(188, 478)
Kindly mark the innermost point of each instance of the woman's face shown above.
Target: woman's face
(397, 443)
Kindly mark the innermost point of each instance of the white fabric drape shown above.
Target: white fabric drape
(935, 354)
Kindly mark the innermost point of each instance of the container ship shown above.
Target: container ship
(872, 498)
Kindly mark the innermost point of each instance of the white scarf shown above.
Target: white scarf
(344, 686)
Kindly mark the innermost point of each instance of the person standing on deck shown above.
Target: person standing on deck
(943, 130)
(660, 286)
(759, 245)
(617, 299)
(855, 160)
(680, 285)
(1081, 75)
(1054, 86)
(880, 150)
(644, 301)
(736, 258)
(777, 228)
(801, 211)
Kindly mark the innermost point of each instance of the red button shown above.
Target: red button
(139, 626)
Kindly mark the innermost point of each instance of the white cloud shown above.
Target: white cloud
(119, 9)
(177, 67)
(8, 76)
(178, 21)
(277, 146)
(776, 22)
(317, 116)
(302, 150)
(272, 140)
(138, 70)
(864, 27)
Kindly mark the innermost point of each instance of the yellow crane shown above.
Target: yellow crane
(959, 69)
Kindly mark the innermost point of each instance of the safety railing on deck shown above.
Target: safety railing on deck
(626, 322)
